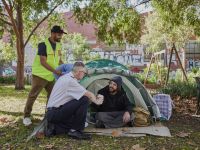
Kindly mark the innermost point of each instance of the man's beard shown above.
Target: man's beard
(112, 91)
(57, 40)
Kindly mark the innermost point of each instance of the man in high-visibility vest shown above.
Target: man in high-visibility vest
(45, 63)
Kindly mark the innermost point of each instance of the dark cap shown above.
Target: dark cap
(117, 80)
(57, 29)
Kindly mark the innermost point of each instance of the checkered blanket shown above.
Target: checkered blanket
(164, 103)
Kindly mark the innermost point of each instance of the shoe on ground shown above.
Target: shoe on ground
(79, 135)
(86, 124)
(91, 120)
(27, 121)
(99, 124)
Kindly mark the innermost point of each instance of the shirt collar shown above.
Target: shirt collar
(72, 75)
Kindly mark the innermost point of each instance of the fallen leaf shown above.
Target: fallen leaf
(40, 135)
(116, 133)
(191, 143)
(4, 120)
(137, 147)
(183, 134)
(50, 146)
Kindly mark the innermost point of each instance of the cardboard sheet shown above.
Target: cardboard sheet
(156, 130)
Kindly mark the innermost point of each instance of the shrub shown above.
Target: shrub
(7, 79)
(179, 88)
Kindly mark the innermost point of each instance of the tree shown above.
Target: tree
(115, 20)
(7, 53)
(173, 22)
(14, 13)
(80, 49)
(179, 12)
(178, 15)
(158, 33)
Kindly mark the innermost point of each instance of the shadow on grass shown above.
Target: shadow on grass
(17, 114)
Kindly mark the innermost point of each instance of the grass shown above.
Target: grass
(13, 134)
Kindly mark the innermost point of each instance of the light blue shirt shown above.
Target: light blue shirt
(64, 68)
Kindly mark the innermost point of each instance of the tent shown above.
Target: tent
(101, 71)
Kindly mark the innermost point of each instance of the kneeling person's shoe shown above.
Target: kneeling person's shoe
(27, 121)
(79, 135)
(99, 124)
(49, 129)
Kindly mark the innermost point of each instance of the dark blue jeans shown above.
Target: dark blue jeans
(71, 115)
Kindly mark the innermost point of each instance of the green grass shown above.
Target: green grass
(13, 134)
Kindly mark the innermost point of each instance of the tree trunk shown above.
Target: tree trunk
(19, 85)
(183, 61)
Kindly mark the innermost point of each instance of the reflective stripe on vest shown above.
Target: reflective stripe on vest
(52, 60)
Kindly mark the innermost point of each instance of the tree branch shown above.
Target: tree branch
(10, 13)
(10, 4)
(9, 23)
(39, 23)
(4, 15)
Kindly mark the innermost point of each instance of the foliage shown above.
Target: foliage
(195, 70)
(7, 79)
(44, 30)
(179, 12)
(159, 34)
(180, 88)
(177, 87)
(14, 14)
(115, 20)
(76, 43)
(7, 53)
(153, 76)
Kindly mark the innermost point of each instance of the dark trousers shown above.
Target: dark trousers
(71, 115)
(37, 85)
(111, 119)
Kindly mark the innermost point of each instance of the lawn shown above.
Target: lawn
(184, 128)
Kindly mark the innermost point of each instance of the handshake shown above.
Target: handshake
(99, 99)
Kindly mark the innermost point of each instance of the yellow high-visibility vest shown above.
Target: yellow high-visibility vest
(52, 60)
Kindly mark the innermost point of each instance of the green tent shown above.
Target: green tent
(101, 71)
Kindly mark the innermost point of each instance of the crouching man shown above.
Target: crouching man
(67, 105)
(116, 110)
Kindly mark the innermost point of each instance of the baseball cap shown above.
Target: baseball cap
(57, 29)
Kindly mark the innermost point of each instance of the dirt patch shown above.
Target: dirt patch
(184, 120)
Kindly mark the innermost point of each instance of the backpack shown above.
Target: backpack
(142, 117)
